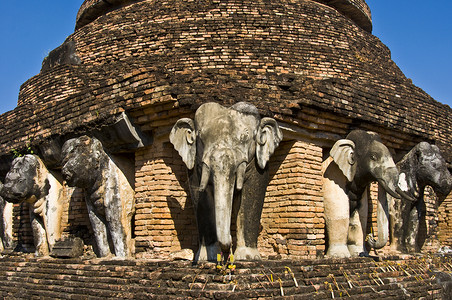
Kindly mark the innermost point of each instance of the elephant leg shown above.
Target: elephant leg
(54, 211)
(412, 230)
(397, 220)
(114, 218)
(119, 210)
(422, 232)
(337, 211)
(39, 234)
(117, 232)
(118, 237)
(250, 202)
(358, 227)
(2, 224)
(7, 225)
(205, 218)
(98, 223)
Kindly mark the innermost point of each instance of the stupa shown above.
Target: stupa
(131, 69)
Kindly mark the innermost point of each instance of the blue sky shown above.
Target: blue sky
(418, 33)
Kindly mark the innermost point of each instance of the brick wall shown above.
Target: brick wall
(292, 222)
(282, 56)
(444, 221)
(303, 63)
(357, 10)
(92, 9)
(22, 227)
(75, 221)
(292, 218)
(29, 278)
(164, 220)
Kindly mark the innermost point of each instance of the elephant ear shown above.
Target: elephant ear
(267, 139)
(183, 138)
(343, 154)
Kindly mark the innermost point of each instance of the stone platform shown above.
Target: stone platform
(25, 277)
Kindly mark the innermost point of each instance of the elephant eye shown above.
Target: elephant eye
(244, 137)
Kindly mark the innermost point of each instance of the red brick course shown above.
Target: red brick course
(304, 63)
(361, 278)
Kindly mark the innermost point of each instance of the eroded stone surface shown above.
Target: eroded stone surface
(29, 180)
(353, 164)
(109, 195)
(226, 151)
(423, 166)
(6, 223)
(68, 248)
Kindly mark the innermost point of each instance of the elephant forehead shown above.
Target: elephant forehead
(79, 160)
(431, 156)
(229, 127)
(25, 165)
(67, 147)
(25, 160)
(378, 147)
(83, 143)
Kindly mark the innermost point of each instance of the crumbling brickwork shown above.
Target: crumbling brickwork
(313, 67)
(25, 278)
(444, 221)
(151, 50)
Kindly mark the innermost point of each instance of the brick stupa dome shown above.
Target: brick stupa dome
(292, 59)
(314, 66)
(357, 10)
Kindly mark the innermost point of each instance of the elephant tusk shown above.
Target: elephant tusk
(240, 175)
(205, 174)
(404, 195)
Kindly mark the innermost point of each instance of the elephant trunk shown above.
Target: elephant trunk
(205, 174)
(382, 221)
(10, 194)
(223, 195)
(388, 183)
(445, 186)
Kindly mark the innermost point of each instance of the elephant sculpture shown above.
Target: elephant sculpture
(226, 151)
(354, 163)
(109, 195)
(29, 180)
(422, 166)
(6, 223)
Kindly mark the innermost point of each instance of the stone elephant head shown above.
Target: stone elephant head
(227, 151)
(84, 160)
(422, 166)
(26, 180)
(356, 161)
(30, 181)
(363, 158)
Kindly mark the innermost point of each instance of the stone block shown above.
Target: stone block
(68, 248)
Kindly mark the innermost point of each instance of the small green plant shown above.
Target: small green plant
(20, 153)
